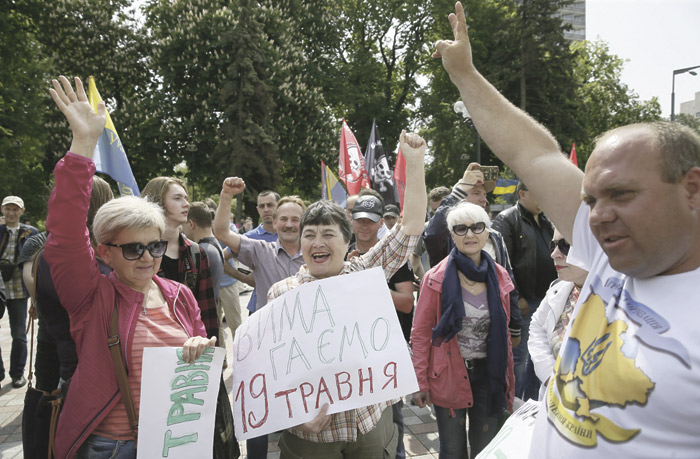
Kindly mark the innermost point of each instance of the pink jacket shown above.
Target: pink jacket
(441, 370)
(90, 297)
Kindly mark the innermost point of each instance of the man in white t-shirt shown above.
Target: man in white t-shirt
(626, 381)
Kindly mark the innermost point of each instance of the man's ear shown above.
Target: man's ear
(105, 254)
(691, 184)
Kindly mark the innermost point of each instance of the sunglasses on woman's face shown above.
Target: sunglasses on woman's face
(461, 230)
(561, 244)
(135, 250)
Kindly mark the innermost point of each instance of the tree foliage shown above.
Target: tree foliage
(604, 101)
(210, 88)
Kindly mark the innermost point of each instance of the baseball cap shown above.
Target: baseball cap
(391, 211)
(16, 200)
(368, 206)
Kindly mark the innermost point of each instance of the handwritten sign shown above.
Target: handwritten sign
(514, 438)
(335, 341)
(178, 403)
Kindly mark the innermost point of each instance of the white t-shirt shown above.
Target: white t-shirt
(627, 379)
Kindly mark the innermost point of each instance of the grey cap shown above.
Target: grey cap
(368, 206)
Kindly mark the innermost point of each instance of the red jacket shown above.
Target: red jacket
(440, 369)
(90, 297)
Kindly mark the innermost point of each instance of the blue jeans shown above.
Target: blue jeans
(527, 385)
(482, 426)
(17, 310)
(97, 447)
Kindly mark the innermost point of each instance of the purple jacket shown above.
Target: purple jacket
(90, 297)
(440, 369)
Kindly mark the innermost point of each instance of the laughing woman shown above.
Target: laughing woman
(152, 311)
(462, 352)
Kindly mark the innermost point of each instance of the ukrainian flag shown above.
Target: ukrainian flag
(504, 186)
(110, 157)
(332, 188)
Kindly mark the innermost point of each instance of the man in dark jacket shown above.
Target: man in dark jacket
(13, 234)
(526, 232)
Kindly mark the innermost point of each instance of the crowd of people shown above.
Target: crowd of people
(575, 296)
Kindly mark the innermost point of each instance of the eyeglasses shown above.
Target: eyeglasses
(562, 244)
(135, 250)
(461, 230)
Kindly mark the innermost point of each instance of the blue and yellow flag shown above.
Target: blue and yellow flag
(110, 157)
(505, 186)
(332, 188)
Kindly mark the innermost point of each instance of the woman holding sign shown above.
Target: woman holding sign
(151, 311)
(461, 345)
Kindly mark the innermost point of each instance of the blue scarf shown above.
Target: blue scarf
(452, 308)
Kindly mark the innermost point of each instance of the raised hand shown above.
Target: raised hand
(232, 186)
(472, 176)
(456, 54)
(413, 147)
(85, 124)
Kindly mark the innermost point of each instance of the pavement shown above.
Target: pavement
(420, 432)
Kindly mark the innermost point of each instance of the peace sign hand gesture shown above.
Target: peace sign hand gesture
(85, 124)
(456, 54)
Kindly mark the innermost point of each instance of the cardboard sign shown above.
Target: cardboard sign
(335, 341)
(178, 403)
(514, 438)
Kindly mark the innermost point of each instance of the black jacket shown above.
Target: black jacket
(519, 231)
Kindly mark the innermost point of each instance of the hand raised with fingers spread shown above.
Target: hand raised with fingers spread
(456, 54)
(413, 147)
(85, 124)
(232, 186)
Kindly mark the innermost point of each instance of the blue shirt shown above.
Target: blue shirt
(260, 234)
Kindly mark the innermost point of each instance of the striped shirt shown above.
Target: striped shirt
(390, 253)
(155, 328)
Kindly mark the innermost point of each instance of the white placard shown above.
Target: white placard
(178, 403)
(514, 438)
(335, 341)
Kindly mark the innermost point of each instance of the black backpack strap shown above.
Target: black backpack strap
(192, 268)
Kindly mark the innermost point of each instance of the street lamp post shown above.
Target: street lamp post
(673, 87)
(460, 109)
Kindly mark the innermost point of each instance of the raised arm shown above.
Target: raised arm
(517, 139)
(85, 124)
(68, 251)
(415, 200)
(230, 188)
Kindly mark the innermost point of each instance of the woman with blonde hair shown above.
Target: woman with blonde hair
(151, 311)
(462, 353)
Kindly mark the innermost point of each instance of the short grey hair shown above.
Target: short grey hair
(127, 212)
(678, 146)
(467, 212)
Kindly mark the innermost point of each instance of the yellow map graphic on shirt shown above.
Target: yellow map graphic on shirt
(592, 372)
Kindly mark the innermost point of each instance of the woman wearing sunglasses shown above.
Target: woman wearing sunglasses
(461, 345)
(152, 311)
(549, 322)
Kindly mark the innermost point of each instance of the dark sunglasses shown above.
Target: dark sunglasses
(135, 250)
(461, 230)
(562, 244)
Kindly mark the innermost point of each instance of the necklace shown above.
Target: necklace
(472, 286)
